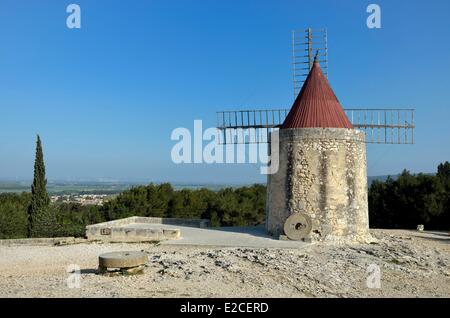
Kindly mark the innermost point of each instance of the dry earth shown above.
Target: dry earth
(412, 264)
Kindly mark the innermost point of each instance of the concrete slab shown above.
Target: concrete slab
(185, 232)
(231, 237)
(135, 229)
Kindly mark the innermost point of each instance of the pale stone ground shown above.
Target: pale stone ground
(413, 264)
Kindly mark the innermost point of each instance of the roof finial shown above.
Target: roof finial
(316, 58)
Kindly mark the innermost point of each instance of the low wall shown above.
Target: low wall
(41, 241)
(121, 231)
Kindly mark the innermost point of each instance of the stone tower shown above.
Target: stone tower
(319, 192)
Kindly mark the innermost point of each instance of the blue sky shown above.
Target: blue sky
(105, 98)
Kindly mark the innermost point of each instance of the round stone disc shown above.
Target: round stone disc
(297, 226)
(122, 259)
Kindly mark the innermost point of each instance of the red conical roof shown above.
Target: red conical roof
(316, 105)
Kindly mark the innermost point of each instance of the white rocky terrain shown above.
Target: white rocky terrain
(413, 264)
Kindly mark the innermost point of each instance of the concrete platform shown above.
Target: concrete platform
(140, 229)
(184, 232)
(231, 237)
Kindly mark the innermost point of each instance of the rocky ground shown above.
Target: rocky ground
(412, 264)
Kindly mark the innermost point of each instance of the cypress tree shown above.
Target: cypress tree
(42, 219)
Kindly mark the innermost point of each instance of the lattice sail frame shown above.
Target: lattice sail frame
(305, 44)
(382, 126)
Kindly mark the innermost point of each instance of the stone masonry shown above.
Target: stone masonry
(322, 174)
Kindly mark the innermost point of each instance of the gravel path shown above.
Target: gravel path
(412, 264)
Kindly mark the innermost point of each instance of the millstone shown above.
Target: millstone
(126, 259)
(297, 226)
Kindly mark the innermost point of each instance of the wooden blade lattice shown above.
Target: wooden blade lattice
(382, 126)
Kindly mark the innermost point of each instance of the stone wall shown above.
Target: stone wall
(131, 230)
(322, 174)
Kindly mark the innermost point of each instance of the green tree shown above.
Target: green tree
(411, 200)
(443, 175)
(13, 215)
(41, 218)
(444, 170)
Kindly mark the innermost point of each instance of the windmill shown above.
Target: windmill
(319, 192)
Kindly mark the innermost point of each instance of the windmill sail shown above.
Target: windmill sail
(381, 125)
(305, 43)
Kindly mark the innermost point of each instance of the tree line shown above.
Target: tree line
(410, 200)
(226, 207)
(32, 215)
(401, 203)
